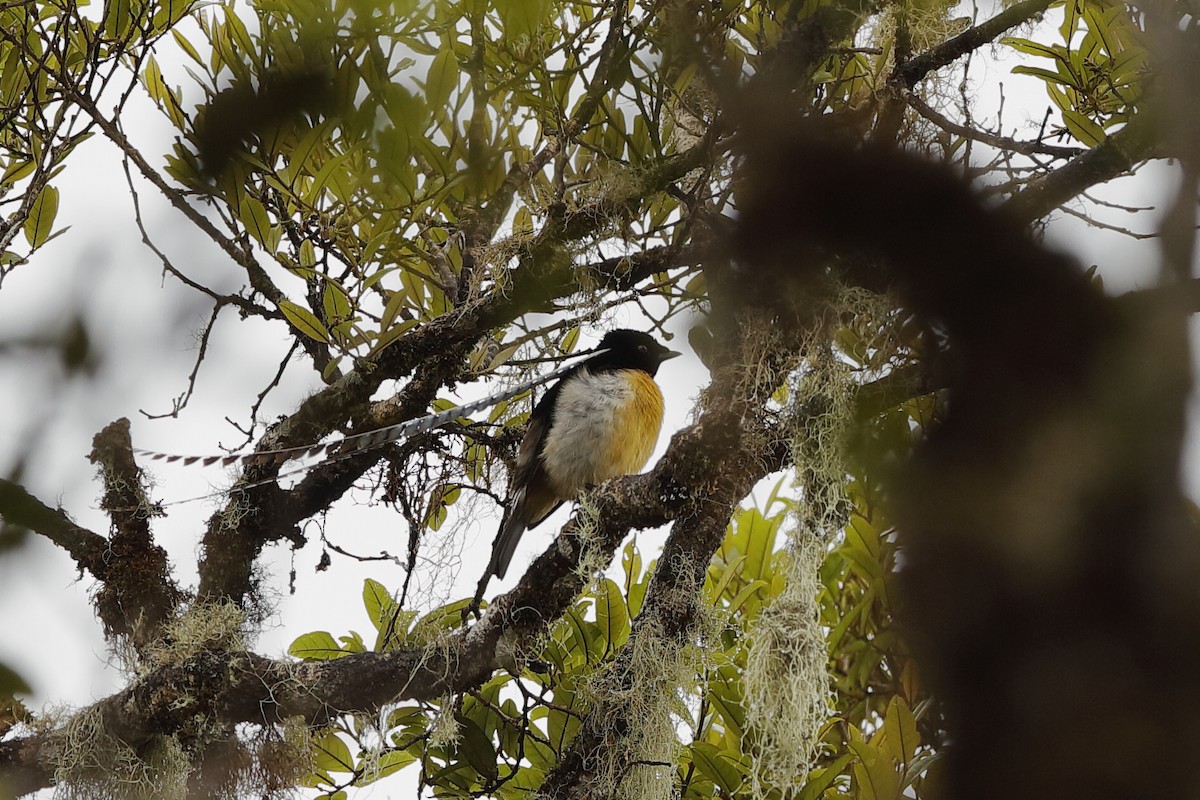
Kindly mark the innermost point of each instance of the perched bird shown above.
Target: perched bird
(599, 421)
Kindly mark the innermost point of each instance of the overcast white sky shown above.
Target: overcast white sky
(144, 325)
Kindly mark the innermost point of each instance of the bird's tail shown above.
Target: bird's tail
(511, 528)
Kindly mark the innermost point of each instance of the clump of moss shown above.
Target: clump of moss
(205, 627)
(444, 731)
(644, 697)
(89, 763)
(281, 760)
(786, 680)
(592, 561)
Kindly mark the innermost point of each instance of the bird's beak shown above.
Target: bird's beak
(668, 355)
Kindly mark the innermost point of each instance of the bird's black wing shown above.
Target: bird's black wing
(531, 497)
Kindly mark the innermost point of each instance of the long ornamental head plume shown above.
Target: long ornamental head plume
(347, 446)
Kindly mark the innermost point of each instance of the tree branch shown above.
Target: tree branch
(1134, 143)
(999, 142)
(137, 593)
(230, 688)
(19, 508)
(949, 51)
(260, 282)
(481, 226)
(258, 278)
(438, 349)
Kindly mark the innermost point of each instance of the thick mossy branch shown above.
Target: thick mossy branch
(235, 536)
(217, 690)
(137, 592)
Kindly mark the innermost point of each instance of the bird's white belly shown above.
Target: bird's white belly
(587, 417)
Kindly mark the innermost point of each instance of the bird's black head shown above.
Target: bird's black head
(626, 349)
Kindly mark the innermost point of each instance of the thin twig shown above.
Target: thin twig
(1001, 142)
(1095, 223)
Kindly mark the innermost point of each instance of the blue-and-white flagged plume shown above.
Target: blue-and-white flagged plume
(347, 446)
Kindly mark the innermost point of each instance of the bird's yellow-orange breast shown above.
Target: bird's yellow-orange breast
(636, 424)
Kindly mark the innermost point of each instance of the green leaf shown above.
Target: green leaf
(476, 746)
(445, 618)
(756, 591)
(501, 357)
(40, 221)
(722, 768)
(236, 29)
(1128, 64)
(331, 368)
(118, 16)
(900, 728)
(308, 254)
(611, 614)
(442, 78)
(407, 718)
(186, 46)
(522, 220)
(570, 341)
(304, 321)
(333, 170)
(821, 779)
(387, 763)
(154, 79)
(16, 170)
(636, 595)
(725, 691)
(331, 754)
(562, 726)
(253, 215)
(715, 589)
(1046, 75)
(336, 303)
(316, 646)
(756, 539)
(353, 643)
(1060, 98)
(520, 18)
(395, 302)
(876, 778)
(1034, 49)
(862, 535)
(378, 602)
(1082, 128)
(631, 565)
(300, 154)
(583, 633)
(392, 333)
(1097, 23)
(1070, 19)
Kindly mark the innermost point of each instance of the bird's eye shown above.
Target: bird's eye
(642, 347)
